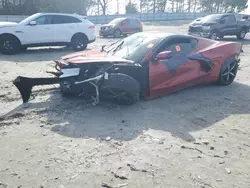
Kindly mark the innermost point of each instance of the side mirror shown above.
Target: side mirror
(164, 55)
(32, 23)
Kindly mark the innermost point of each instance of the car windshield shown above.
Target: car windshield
(115, 21)
(134, 47)
(212, 18)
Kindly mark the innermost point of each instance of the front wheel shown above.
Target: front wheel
(117, 33)
(122, 97)
(9, 45)
(228, 72)
(121, 88)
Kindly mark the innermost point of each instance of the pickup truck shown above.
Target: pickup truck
(219, 25)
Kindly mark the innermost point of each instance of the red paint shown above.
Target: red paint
(93, 56)
(162, 82)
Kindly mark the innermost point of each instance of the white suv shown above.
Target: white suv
(47, 29)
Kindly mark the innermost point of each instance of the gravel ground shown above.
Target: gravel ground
(194, 138)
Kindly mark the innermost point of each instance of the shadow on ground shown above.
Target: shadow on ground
(179, 114)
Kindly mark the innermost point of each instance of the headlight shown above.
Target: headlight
(206, 27)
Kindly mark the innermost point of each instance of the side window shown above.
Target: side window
(70, 19)
(43, 20)
(225, 19)
(124, 22)
(65, 19)
(180, 46)
(132, 22)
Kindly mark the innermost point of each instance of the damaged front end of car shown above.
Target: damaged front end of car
(89, 80)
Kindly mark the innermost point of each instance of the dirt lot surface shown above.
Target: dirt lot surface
(195, 138)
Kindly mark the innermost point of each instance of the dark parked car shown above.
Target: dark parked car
(220, 25)
(121, 26)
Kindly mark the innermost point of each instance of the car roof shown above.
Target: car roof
(59, 14)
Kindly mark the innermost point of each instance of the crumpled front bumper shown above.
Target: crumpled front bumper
(106, 32)
(200, 34)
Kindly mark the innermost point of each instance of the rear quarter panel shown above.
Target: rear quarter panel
(219, 52)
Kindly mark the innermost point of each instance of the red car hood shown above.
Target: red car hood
(92, 56)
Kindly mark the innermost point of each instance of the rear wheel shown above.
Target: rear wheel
(9, 45)
(242, 34)
(79, 42)
(228, 72)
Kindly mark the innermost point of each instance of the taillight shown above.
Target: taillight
(91, 27)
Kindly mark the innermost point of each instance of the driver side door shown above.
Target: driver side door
(41, 32)
(174, 72)
(125, 26)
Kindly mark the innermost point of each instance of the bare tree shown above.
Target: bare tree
(104, 6)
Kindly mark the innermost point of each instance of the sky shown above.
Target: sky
(122, 4)
(247, 11)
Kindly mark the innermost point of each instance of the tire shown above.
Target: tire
(228, 72)
(138, 30)
(117, 33)
(79, 42)
(9, 45)
(121, 88)
(242, 34)
(213, 35)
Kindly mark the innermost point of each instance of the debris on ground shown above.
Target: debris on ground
(3, 185)
(108, 138)
(133, 168)
(185, 147)
(120, 174)
(106, 185)
(205, 142)
(228, 170)
(218, 156)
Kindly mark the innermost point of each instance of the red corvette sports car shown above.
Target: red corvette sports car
(143, 65)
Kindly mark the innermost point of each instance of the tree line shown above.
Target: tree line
(100, 7)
